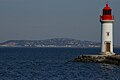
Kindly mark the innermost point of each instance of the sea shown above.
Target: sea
(53, 64)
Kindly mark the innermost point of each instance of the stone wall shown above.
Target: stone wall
(113, 59)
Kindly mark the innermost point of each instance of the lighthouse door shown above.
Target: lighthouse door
(107, 47)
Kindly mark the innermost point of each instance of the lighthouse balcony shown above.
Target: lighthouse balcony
(106, 17)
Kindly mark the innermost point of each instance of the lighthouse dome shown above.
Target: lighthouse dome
(107, 7)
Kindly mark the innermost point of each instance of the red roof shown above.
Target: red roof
(107, 7)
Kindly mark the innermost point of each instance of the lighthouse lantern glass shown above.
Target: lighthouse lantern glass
(106, 12)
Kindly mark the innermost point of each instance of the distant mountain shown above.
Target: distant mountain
(55, 42)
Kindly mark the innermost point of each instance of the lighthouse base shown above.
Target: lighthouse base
(107, 59)
(107, 53)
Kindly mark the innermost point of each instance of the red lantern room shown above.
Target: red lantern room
(107, 14)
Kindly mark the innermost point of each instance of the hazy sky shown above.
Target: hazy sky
(45, 19)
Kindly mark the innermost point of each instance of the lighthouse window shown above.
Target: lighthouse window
(108, 33)
(107, 12)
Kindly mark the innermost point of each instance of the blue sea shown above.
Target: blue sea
(53, 64)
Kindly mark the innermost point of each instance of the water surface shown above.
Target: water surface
(53, 64)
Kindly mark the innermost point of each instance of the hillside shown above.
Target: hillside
(55, 42)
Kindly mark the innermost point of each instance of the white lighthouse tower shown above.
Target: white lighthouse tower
(107, 20)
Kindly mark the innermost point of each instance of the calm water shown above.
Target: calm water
(53, 64)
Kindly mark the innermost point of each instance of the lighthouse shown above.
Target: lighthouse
(107, 20)
(107, 55)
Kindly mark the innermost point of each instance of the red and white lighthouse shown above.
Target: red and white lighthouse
(107, 20)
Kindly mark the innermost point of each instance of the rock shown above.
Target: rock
(108, 59)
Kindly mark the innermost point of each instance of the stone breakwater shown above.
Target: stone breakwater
(108, 59)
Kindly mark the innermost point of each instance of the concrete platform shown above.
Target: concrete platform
(107, 53)
(108, 59)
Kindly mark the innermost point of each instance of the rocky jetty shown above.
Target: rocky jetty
(108, 59)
